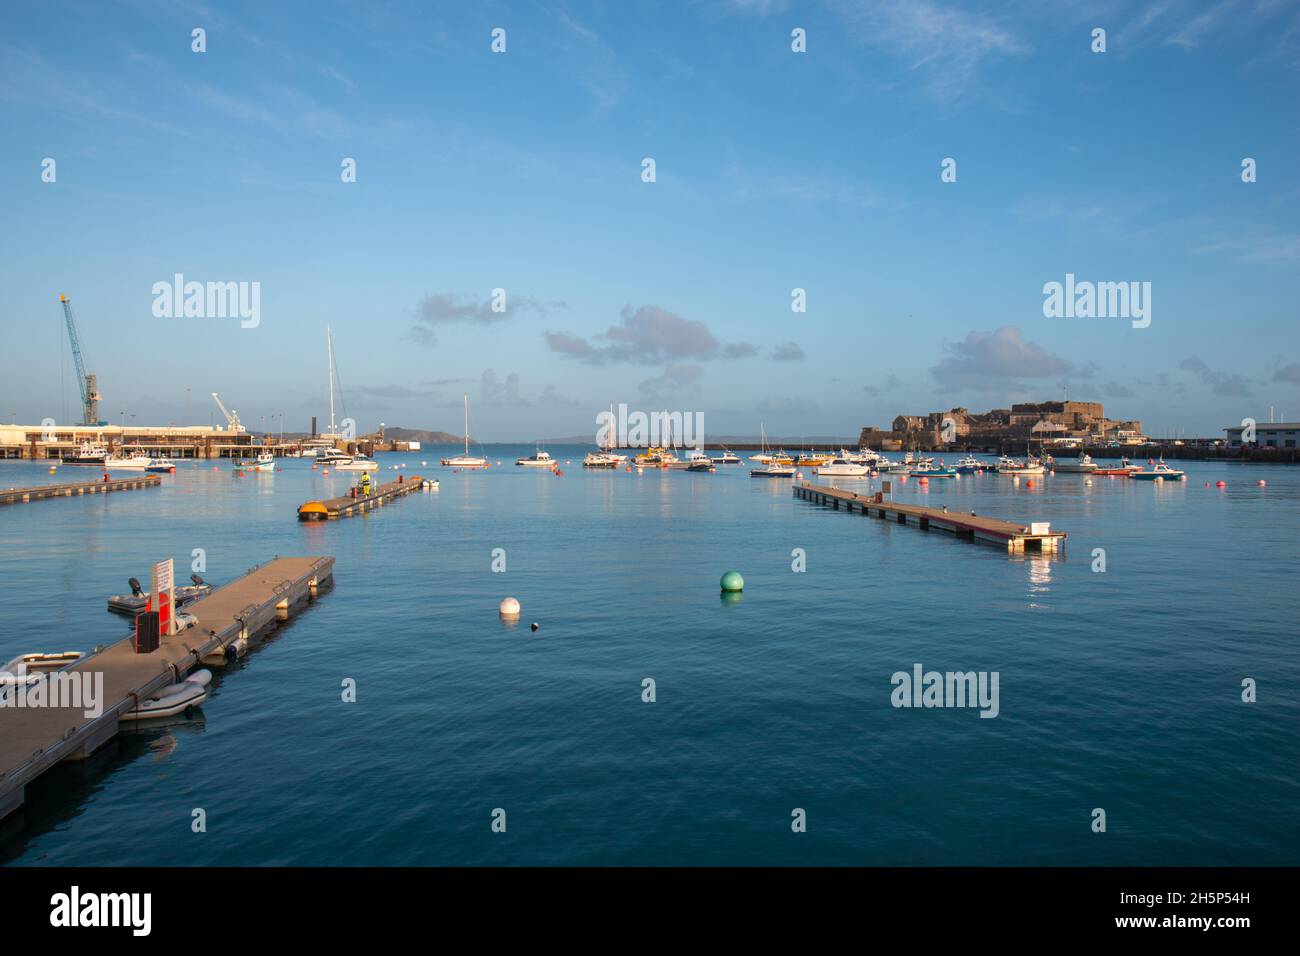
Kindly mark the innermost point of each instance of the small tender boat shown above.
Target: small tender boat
(538, 459)
(173, 699)
(27, 668)
(87, 454)
(358, 463)
(600, 459)
(969, 465)
(134, 603)
(1083, 465)
(1161, 472)
(842, 468)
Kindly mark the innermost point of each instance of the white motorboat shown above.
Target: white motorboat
(128, 463)
(159, 465)
(174, 699)
(538, 459)
(728, 457)
(885, 466)
(772, 470)
(466, 460)
(600, 459)
(358, 463)
(332, 456)
(969, 465)
(842, 468)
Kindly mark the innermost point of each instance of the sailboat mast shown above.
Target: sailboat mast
(329, 339)
(466, 424)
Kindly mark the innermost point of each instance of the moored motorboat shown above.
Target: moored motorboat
(600, 459)
(932, 471)
(128, 462)
(969, 465)
(1123, 471)
(1161, 472)
(538, 459)
(1083, 465)
(359, 463)
(772, 470)
(842, 468)
(160, 465)
(87, 453)
(727, 457)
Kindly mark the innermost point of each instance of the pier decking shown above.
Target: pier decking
(34, 739)
(13, 496)
(1014, 537)
(348, 506)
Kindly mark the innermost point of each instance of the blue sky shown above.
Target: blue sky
(775, 170)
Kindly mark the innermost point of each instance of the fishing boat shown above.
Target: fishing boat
(1125, 469)
(174, 699)
(1029, 469)
(87, 453)
(916, 460)
(1161, 472)
(1004, 462)
(699, 462)
(600, 459)
(538, 459)
(842, 468)
(727, 457)
(1083, 465)
(263, 462)
(932, 471)
(886, 467)
(135, 602)
(465, 460)
(969, 465)
(160, 465)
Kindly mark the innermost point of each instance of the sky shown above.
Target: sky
(774, 170)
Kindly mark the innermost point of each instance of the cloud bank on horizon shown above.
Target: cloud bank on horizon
(815, 215)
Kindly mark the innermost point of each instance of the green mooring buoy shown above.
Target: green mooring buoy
(732, 581)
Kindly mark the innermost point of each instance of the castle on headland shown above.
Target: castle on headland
(1064, 421)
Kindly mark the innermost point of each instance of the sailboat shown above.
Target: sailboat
(466, 460)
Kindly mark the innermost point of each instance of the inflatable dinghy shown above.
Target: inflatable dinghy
(27, 668)
(173, 700)
(134, 603)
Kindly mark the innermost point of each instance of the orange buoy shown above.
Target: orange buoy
(1029, 483)
(1220, 484)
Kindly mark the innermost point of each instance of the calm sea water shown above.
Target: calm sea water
(1118, 690)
